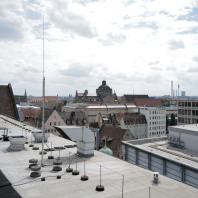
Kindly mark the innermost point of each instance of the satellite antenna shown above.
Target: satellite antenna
(43, 113)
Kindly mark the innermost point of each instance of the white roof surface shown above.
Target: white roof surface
(191, 127)
(137, 181)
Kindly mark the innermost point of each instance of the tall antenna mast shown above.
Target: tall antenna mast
(43, 112)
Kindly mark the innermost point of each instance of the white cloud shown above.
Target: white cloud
(133, 44)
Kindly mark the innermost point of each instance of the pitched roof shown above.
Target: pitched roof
(134, 118)
(33, 113)
(130, 98)
(47, 99)
(80, 94)
(112, 134)
(119, 116)
(148, 102)
(7, 102)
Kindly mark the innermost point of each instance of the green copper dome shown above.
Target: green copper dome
(106, 150)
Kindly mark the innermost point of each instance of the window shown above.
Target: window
(54, 123)
(52, 130)
(50, 124)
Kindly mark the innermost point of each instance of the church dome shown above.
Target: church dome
(104, 86)
(106, 150)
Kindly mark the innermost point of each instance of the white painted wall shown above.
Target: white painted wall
(54, 120)
(139, 131)
(156, 121)
(190, 140)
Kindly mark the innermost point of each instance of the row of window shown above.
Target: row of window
(157, 133)
(156, 117)
(156, 128)
(157, 122)
(156, 112)
(136, 126)
(50, 130)
(141, 136)
(54, 123)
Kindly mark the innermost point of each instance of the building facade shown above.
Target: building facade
(187, 111)
(184, 136)
(53, 120)
(136, 124)
(103, 94)
(51, 102)
(156, 121)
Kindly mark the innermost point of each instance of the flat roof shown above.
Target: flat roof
(187, 128)
(137, 181)
(161, 148)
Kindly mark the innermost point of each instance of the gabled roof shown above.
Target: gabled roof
(33, 113)
(7, 102)
(119, 116)
(113, 136)
(148, 102)
(47, 99)
(80, 94)
(134, 118)
(130, 98)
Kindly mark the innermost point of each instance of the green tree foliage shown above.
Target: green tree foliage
(173, 120)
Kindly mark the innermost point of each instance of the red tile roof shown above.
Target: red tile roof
(32, 113)
(112, 134)
(131, 98)
(119, 116)
(147, 102)
(47, 99)
(134, 118)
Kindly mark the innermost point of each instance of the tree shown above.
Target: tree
(173, 120)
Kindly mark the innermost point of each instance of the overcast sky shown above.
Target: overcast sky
(135, 45)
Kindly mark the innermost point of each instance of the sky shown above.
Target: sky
(137, 46)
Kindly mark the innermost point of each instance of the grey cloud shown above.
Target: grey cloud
(156, 68)
(148, 24)
(12, 25)
(113, 38)
(193, 69)
(77, 70)
(23, 67)
(174, 45)
(191, 30)
(154, 62)
(60, 16)
(195, 58)
(171, 68)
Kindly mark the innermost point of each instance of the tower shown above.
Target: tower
(172, 91)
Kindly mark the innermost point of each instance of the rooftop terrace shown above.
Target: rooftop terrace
(138, 182)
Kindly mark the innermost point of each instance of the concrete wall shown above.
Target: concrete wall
(190, 140)
(156, 163)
